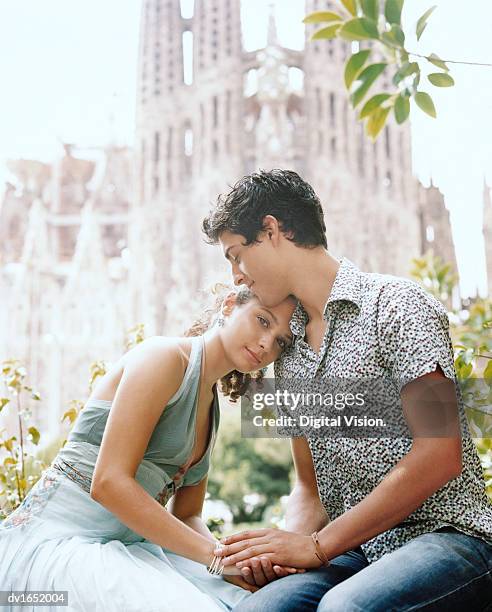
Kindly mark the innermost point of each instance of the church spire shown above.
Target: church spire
(272, 36)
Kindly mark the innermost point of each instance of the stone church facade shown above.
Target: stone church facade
(196, 139)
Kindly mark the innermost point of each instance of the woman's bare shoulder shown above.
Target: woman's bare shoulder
(177, 347)
(155, 351)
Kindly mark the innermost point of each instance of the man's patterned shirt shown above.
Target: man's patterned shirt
(380, 325)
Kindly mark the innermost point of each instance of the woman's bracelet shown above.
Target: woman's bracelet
(217, 566)
(319, 551)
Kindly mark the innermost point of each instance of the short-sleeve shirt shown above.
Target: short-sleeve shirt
(379, 325)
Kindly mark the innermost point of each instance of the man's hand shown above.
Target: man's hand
(241, 582)
(280, 547)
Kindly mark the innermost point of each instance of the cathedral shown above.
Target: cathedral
(104, 239)
(274, 107)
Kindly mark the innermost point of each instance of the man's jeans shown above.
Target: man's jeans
(441, 570)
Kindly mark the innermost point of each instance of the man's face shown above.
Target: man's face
(256, 266)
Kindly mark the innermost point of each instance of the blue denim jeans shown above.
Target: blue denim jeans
(440, 570)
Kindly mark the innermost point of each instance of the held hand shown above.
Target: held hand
(280, 547)
(261, 571)
(241, 582)
(231, 570)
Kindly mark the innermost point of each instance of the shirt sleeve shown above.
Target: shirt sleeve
(281, 384)
(413, 333)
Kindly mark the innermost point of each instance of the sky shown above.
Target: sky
(69, 68)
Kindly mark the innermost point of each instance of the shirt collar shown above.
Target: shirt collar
(346, 287)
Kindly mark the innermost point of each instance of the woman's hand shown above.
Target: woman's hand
(231, 570)
(279, 546)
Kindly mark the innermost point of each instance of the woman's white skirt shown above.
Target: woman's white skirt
(60, 539)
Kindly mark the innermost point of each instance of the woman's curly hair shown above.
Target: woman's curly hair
(234, 384)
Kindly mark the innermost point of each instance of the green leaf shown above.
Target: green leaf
(389, 40)
(35, 434)
(412, 68)
(367, 78)
(327, 33)
(437, 61)
(3, 402)
(422, 22)
(402, 109)
(321, 16)
(373, 103)
(467, 355)
(440, 79)
(371, 8)
(465, 371)
(376, 122)
(394, 38)
(351, 6)
(392, 11)
(441, 275)
(71, 415)
(354, 66)
(487, 373)
(399, 34)
(404, 71)
(359, 29)
(424, 101)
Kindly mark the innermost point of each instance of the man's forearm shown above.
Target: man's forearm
(305, 512)
(415, 478)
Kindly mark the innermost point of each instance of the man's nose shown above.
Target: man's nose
(238, 278)
(237, 275)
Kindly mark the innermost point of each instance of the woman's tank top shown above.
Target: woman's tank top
(166, 465)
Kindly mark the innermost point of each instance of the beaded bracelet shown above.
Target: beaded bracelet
(319, 551)
(217, 566)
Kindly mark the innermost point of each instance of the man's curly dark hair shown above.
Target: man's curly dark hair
(280, 193)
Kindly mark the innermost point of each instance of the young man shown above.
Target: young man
(403, 523)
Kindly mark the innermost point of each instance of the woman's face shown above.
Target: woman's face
(254, 335)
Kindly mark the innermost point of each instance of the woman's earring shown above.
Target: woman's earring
(220, 321)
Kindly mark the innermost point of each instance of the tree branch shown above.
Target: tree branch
(446, 61)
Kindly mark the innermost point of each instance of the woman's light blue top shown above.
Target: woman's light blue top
(166, 465)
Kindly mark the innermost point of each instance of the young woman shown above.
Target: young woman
(95, 525)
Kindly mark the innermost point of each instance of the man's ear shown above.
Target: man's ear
(271, 227)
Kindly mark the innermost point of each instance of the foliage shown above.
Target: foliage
(436, 276)
(216, 526)
(134, 336)
(248, 474)
(18, 463)
(380, 28)
(470, 329)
